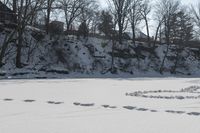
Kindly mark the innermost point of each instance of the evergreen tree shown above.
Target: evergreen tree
(182, 28)
(83, 30)
(106, 24)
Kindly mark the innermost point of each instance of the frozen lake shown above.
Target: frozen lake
(166, 105)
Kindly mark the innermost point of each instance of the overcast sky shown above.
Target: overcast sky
(104, 2)
(151, 22)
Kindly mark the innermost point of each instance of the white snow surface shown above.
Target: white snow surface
(17, 116)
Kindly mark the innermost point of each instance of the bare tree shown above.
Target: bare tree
(24, 16)
(95, 20)
(145, 10)
(72, 9)
(5, 1)
(196, 17)
(88, 12)
(159, 14)
(15, 6)
(120, 10)
(134, 16)
(168, 9)
(49, 4)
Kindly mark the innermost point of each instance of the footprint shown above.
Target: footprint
(180, 112)
(194, 113)
(153, 110)
(53, 102)
(50, 102)
(112, 107)
(76, 103)
(87, 104)
(108, 106)
(170, 111)
(58, 102)
(129, 107)
(29, 101)
(142, 109)
(175, 112)
(8, 99)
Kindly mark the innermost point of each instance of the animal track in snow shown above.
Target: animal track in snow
(193, 92)
(106, 106)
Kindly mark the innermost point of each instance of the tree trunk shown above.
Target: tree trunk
(147, 28)
(163, 61)
(19, 47)
(120, 28)
(156, 36)
(160, 34)
(15, 6)
(173, 71)
(167, 36)
(133, 31)
(112, 62)
(48, 19)
(120, 34)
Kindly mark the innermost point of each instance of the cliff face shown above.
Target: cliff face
(65, 55)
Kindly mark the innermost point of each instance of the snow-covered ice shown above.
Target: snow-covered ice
(98, 106)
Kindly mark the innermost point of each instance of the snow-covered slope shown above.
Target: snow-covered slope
(69, 55)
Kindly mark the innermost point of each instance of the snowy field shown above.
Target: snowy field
(166, 105)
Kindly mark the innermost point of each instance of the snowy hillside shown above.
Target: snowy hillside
(67, 56)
